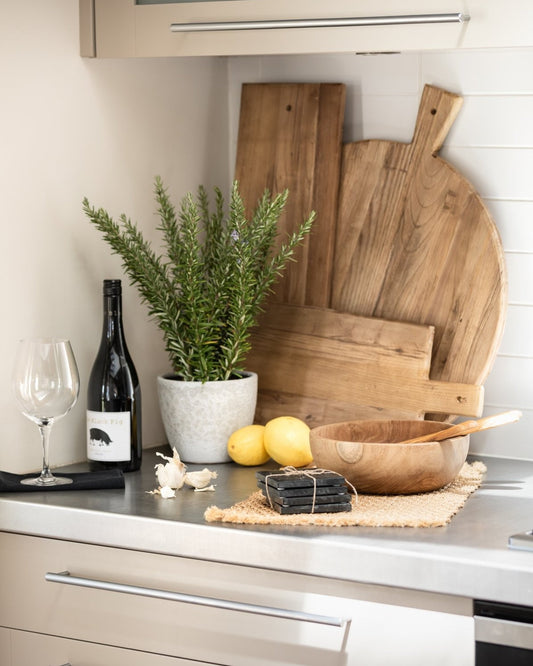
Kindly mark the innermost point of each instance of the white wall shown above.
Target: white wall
(69, 128)
(491, 142)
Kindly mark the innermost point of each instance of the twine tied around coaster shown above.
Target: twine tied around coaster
(311, 473)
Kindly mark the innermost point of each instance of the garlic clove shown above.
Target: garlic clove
(200, 479)
(166, 492)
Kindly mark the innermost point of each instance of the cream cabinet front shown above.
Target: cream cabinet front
(29, 649)
(136, 28)
(5, 647)
(119, 28)
(213, 613)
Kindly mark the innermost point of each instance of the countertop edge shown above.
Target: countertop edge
(450, 573)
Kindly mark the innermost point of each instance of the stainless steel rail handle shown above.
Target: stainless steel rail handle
(458, 17)
(503, 632)
(65, 578)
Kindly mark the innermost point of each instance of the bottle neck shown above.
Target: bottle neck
(112, 318)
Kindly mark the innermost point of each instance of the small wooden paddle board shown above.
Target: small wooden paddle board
(325, 366)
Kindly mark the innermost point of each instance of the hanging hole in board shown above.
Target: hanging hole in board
(433, 112)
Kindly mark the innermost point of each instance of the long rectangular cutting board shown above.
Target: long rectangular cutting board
(325, 366)
(290, 137)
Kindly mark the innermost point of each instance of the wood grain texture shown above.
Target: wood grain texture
(373, 457)
(290, 136)
(416, 243)
(469, 427)
(324, 366)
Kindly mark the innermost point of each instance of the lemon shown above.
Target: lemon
(246, 447)
(287, 441)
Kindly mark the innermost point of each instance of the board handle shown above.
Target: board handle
(437, 112)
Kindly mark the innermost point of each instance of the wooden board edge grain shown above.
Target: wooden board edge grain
(395, 336)
(381, 166)
(268, 344)
(379, 389)
(421, 196)
(298, 364)
(290, 137)
(332, 99)
(316, 411)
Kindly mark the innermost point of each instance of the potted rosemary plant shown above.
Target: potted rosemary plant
(205, 292)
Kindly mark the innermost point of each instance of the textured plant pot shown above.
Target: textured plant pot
(199, 418)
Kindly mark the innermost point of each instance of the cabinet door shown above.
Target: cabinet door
(5, 647)
(38, 650)
(124, 28)
(223, 614)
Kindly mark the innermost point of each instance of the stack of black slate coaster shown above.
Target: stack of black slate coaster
(290, 492)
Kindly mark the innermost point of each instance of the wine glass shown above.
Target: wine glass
(46, 386)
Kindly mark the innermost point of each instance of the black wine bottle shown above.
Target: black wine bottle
(114, 395)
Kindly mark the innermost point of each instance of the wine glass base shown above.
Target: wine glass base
(47, 481)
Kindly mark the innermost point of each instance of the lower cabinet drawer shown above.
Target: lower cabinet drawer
(130, 599)
(30, 649)
(220, 613)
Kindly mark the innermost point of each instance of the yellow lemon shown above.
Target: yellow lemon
(287, 441)
(246, 446)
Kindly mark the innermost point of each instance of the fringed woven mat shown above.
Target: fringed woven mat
(433, 509)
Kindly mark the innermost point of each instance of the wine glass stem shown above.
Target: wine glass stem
(46, 474)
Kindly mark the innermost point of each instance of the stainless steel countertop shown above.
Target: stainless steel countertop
(469, 557)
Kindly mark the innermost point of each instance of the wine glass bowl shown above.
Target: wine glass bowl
(46, 386)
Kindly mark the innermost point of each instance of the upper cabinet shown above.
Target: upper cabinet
(143, 28)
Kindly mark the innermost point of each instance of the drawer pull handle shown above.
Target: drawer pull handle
(65, 578)
(322, 23)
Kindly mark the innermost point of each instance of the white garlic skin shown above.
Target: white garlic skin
(172, 473)
(200, 479)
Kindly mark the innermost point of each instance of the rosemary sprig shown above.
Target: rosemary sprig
(207, 289)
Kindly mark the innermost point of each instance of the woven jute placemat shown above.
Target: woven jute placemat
(433, 509)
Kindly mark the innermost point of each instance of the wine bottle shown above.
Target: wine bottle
(114, 395)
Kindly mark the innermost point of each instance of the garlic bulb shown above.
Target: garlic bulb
(171, 474)
(201, 479)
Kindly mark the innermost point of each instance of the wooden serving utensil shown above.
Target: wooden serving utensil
(467, 427)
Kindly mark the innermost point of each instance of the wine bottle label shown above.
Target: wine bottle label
(109, 436)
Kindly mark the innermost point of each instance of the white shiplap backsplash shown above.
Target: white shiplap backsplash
(491, 143)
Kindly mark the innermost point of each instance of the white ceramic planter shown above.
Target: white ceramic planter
(199, 418)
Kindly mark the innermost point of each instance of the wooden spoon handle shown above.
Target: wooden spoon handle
(468, 427)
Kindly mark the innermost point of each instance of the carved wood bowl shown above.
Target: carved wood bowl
(371, 456)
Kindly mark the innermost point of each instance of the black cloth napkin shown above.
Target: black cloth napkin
(112, 478)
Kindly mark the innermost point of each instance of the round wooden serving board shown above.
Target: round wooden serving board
(415, 243)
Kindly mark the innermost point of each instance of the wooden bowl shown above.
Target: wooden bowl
(370, 455)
